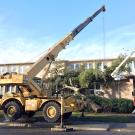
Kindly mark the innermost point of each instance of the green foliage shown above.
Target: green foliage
(89, 76)
(55, 83)
(105, 103)
(85, 78)
(114, 105)
(122, 105)
(71, 78)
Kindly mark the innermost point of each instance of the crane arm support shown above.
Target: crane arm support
(49, 56)
(115, 72)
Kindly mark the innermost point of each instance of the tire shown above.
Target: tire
(67, 115)
(12, 110)
(51, 112)
(29, 114)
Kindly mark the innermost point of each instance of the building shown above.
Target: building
(100, 63)
(121, 89)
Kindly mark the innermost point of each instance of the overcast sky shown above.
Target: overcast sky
(29, 27)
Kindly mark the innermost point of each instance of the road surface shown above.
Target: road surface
(41, 131)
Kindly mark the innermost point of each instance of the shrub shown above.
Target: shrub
(122, 105)
(106, 104)
(114, 105)
(103, 102)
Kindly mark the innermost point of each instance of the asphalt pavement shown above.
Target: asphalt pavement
(41, 131)
(77, 125)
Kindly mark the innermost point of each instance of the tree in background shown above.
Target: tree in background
(85, 78)
(71, 78)
(89, 76)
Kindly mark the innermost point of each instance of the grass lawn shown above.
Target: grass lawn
(97, 117)
(105, 117)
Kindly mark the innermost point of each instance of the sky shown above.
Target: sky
(29, 27)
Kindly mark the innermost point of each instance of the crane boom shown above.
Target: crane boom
(54, 51)
(87, 21)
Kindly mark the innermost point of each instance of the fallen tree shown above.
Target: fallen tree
(89, 104)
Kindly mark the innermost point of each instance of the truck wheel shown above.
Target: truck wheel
(51, 112)
(29, 114)
(67, 115)
(12, 110)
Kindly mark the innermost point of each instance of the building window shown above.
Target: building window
(4, 69)
(86, 66)
(99, 65)
(14, 69)
(71, 66)
(9, 69)
(1, 70)
(76, 66)
(21, 69)
(90, 65)
(25, 68)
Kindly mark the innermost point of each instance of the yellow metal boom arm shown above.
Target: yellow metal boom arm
(54, 51)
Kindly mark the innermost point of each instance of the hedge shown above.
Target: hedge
(114, 105)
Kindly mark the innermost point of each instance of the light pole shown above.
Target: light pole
(61, 127)
(62, 110)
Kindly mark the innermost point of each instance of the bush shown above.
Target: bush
(114, 105)
(122, 105)
(105, 103)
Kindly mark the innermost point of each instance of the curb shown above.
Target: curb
(6, 124)
(102, 129)
(122, 130)
(61, 129)
(26, 125)
(78, 128)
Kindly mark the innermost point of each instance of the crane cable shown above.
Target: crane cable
(104, 37)
(104, 42)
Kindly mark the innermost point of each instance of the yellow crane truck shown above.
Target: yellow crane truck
(23, 95)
